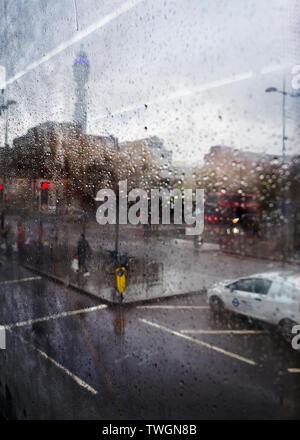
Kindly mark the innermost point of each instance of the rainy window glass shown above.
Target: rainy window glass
(149, 210)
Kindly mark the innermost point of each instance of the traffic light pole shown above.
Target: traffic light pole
(117, 230)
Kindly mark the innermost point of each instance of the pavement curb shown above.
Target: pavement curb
(106, 301)
(71, 285)
(253, 257)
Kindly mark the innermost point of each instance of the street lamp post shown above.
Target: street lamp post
(284, 93)
(8, 104)
(5, 107)
(117, 230)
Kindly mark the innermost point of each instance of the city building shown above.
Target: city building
(160, 155)
(221, 154)
(62, 155)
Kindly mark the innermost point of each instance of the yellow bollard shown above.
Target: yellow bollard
(120, 274)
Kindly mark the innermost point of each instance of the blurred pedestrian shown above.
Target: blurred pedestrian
(83, 251)
(8, 236)
(21, 243)
(2, 220)
(240, 214)
(256, 228)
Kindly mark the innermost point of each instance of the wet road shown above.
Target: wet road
(69, 356)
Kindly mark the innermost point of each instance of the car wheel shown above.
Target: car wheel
(285, 328)
(216, 304)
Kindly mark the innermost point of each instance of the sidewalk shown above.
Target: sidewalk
(242, 244)
(146, 277)
(256, 247)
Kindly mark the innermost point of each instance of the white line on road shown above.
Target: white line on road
(2, 338)
(196, 341)
(294, 370)
(20, 280)
(68, 372)
(58, 365)
(224, 332)
(173, 307)
(56, 316)
(205, 247)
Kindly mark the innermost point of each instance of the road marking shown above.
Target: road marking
(224, 332)
(173, 307)
(294, 370)
(122, 358)
(204, 344)
(2, 338)
(205, 246)
(57, 364)
(56, 316)
(20, 280)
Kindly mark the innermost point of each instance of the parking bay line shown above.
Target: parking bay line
(77, 379)
(224, 332)
(20, 280)
(55, 316)
(203, 344)
(173, 307)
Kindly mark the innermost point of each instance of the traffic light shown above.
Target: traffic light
(44, 194)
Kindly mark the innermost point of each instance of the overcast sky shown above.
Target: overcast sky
(200, 66)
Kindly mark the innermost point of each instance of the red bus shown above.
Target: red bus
(225, 206)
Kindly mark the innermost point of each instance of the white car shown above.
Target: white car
(273, 297)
